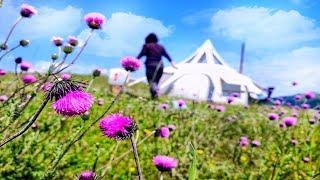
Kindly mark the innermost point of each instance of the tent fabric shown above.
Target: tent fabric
(206, 76)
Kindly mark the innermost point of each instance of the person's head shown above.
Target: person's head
(151, 38)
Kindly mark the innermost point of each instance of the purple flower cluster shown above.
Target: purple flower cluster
(3, 98)
(25, 66)
(117, 126)
(290, 121)
(2, 72)
(73, 103)
(87, 175)
(310, 95)
(164, 163)
(220, 108)
(130, 63)
(273, 116)
(163, 132)
(57, 41)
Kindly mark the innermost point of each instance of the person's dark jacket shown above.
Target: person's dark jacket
(153, 52)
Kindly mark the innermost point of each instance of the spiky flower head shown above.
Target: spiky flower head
(180, 104)
(243, 141)
(230, 99)
(3, 98)
(290, 121)
(130, 63)
(305, 106)
(165, 163)
(87, 175)
(298, 97)
(277, 102)
(60, 89)
(28, 79)
(24, 42)
(27, 11)
(68, 49)
(117, 126)
(73, 41)
(163, 132)
(255, 143)
(273, 116)
(57, 41)
(73, 103)
(294, 142)
(164, 106)
(95, 20)
(220, 108)
(310, 95)
(65, 76)
(100, 101)
(25, 66)
(3, 72)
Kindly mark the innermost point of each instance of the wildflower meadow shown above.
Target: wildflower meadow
(61, 125)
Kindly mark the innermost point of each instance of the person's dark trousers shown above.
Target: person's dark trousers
(154, 76)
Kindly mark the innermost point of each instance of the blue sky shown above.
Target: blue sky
(282, 37)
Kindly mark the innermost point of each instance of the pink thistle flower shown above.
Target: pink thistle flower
(294, 142)
(306, 159)
(25, 66)
(34, 126)
(243, 141)
(100, 101)
(164, 106)
(305, 106)
(282, 125)
(220, 108)
(3, 72)
(28, 79)
(172, 127)
(73, 103)
(57, 41)
(95, 20)
(310, 95)
(211, 106)
(87, 175)
(297, 97)
(290, 121)
(277, 103)
(3, 98)
(130, 63)
(230, 99)
(27, 11)
(163, 132)
(180, 104)
(273, 116)
(73, 41)
(294, 114)
(164, 163)
(256, 143)
(117, 126)
(294, 83)
(65, 76)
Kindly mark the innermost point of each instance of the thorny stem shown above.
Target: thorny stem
(10, 50)
(136, 157)
(11, 30)
(31, 121)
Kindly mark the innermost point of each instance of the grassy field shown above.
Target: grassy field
(215, 136)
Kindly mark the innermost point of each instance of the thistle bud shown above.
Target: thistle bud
(3, 46)
(96, 73)
(85, 116)
(18, 60)
(54, 56)
(24, 42)
(67, 49)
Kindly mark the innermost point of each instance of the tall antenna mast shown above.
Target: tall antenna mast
(243, 46)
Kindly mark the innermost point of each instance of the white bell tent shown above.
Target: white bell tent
(206, 76)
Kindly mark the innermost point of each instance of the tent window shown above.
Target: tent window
(228, 89)
(203, 59)
(216, 61)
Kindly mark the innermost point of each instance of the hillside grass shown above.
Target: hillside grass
(215, 136)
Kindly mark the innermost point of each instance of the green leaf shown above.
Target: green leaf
(193, 168)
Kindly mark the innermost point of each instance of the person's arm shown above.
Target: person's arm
(165, 54)
(143, 52)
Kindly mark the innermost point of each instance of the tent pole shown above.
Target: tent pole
(242, 58)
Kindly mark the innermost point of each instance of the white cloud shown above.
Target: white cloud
(124, 34)
(301, 65)
(264, 28)
(43, 66)
(47, 23)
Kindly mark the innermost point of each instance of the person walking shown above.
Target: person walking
(154, 65)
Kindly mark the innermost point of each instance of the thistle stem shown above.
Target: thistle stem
(10, 50)
(11, 30)
(31, 121)
(136, 156)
